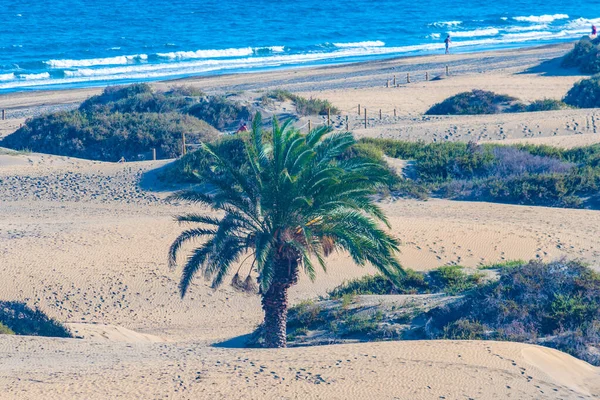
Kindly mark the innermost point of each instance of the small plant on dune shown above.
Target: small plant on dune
(585, 93)
(584, 56)
(304, 106)
(220, 111)
(20, 319)
(295, 205)
(555, 304)
(5, 330)
(472, 103)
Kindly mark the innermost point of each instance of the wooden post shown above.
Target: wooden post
(182, 143)
(380, 114)
(347, 123)
(387, 84)
(394, 113)
(447, 70)
(154, 154)
(426, 76)
(359, 110)
(365, 118)
(309, 127)
(3, 114)
(394, 80)
(328, 116)
(408, 77)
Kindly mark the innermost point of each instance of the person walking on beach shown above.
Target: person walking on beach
(594, 31)
(447, 42)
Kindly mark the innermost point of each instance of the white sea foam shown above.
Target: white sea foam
(527, 28)
(433, 36)
(541, 18)
(7, 77)
(530, 35)
(118, 60)
(372, 43)
(34, 77)
(246, 51)
(476, 33)
(441, 24)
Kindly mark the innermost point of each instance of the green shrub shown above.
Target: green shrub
(108, 137)
(585, 56)
(555, 304)
(546, 105)
(472, 103)
(453, 280)
(585, 93)
(303, 105)
(4, 330)
(220, 112)
(22, 320)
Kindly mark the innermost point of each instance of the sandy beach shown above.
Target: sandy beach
(86, 244)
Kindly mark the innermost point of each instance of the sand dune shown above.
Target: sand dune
(84, 243)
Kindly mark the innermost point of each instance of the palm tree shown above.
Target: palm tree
(294, 201)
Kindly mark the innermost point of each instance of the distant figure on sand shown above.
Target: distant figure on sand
(594, 31)
(448, 41)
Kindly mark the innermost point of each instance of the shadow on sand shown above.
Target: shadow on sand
(238, 342)
(552, 68)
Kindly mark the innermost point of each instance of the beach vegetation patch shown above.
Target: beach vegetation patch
(220, 111)
(304, 106)
(517, 174)
(20, 319)
(475, 102)
(585, 56)
(123, 122)
(585, 93)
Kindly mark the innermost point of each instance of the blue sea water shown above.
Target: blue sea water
(75, 43)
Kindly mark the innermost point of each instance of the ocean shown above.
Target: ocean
(78, 43)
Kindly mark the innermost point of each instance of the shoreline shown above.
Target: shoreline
(457, 61)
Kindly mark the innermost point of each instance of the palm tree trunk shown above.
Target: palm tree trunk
(275, 304)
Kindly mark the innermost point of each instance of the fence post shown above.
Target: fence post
(380, 114)
(309, 127)
(183, 143)
(3, 114)
(394, 80)
(154, 154)
(408, 77)
(394, 113)
(426, 76)
(365, 118)
(447, 70)
(359, 110)
(387, 84)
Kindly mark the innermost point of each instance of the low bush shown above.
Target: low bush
(122, 121)
(4, 330)
(555, 304)
(472, 103)
(546, 105)
(220, 111)
(585, 56)
(585, 93)
(304, 106)
(20, 319)
(108, 137)
(447, 279)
